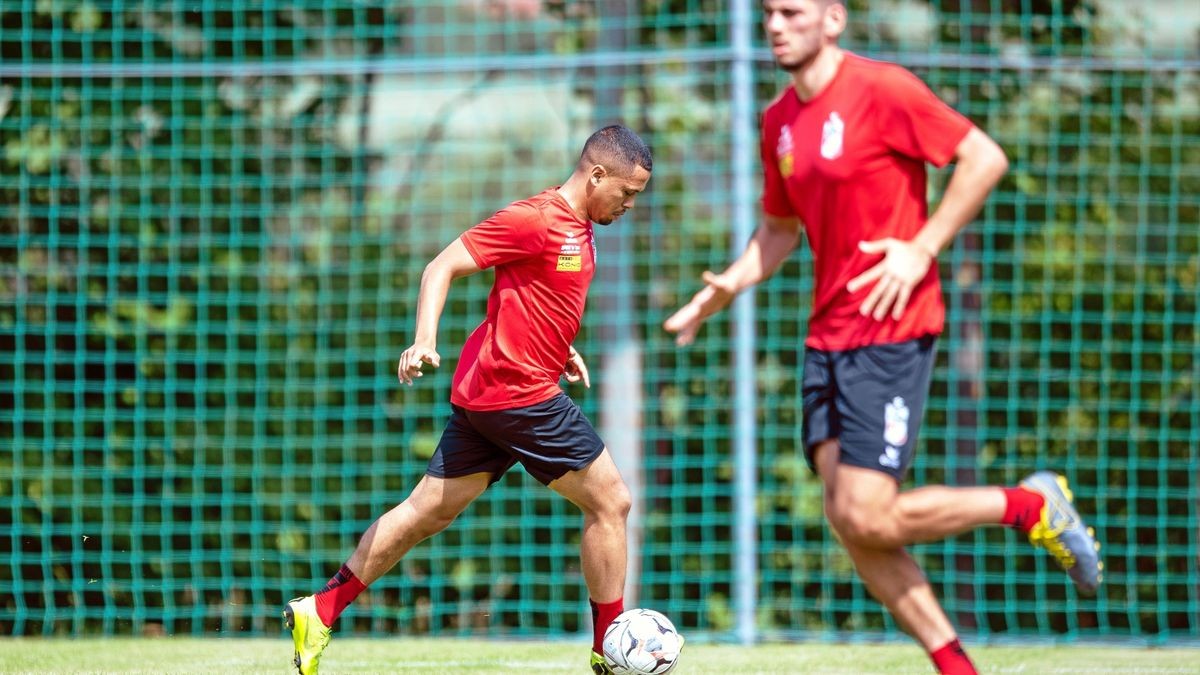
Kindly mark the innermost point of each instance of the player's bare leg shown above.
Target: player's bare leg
(602, 495)
(896, 580)
(433, 504)
(864, 509)
(883, 518)
(869, 507)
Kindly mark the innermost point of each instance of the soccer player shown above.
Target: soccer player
(507, 406)
(844, 149)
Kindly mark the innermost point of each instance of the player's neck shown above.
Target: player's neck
(574, 191)
(812, 78)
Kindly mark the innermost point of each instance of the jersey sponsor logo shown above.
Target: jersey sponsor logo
(832, 134)
(890, 457)
(784, 151)
(569, 263)
(895, 422)
(571, 245)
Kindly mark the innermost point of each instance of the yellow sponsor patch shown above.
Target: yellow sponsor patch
(786, 165)
(570, 263)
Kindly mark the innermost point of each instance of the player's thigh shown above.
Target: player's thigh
(858, 497)
(851, 491)
(596, 487)
(445, 498)
(824, 456)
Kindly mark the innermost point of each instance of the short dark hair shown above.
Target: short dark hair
(618, 149)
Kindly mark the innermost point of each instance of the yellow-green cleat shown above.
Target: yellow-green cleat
(599, 665)
(1063, 533)
(309, 634)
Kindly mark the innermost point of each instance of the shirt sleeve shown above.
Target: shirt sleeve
(775, 200)
(512, 233)
(915, 122)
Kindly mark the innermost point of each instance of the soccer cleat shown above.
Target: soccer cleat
(309, 634)
(1063, 533)
(599, 665)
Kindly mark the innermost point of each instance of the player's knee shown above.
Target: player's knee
(860, 526)
(622, 501)
(435, 518)
(612, 504)
(438, 521)
(617, 502)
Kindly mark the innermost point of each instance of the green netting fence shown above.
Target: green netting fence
(212, 224)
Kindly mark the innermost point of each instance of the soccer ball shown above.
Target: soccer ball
(641, 642)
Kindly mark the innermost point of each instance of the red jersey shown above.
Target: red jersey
(850, 164)
(545, 258)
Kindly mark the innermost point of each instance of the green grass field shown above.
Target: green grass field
(188, 655)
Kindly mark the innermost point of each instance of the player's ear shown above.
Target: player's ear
(598, 174)
(835, 19)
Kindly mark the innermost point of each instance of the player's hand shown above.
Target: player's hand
(576, 369)
(904, 265)
(717, 293)
(412, 359)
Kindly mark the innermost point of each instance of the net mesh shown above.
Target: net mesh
(212, 226)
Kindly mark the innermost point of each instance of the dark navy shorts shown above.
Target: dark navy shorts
(549, 439)
(871, 400)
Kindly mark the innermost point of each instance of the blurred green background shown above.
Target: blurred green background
(212, 225)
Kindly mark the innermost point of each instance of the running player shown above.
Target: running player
(844, 149)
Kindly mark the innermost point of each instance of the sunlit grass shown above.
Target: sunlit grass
(228, 656)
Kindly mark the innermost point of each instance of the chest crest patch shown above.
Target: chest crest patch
(832, 134)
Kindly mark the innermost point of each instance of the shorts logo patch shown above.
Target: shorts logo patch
(569, 263)
(890, 457)
(895, 422)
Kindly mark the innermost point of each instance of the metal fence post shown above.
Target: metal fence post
(745, 403)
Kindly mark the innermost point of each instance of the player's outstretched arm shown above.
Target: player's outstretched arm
(453, 262)
(771, 244)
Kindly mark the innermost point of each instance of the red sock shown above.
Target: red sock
(603, 614)
(950, 659)
(1023, 508)
(341, 590)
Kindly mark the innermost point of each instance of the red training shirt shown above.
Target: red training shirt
(545, 258)
(850, 163)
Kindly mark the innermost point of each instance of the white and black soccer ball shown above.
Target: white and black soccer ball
(641, 642)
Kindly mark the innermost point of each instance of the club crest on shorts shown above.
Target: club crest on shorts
(890, 457)
(895, 422)
(831, 136)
